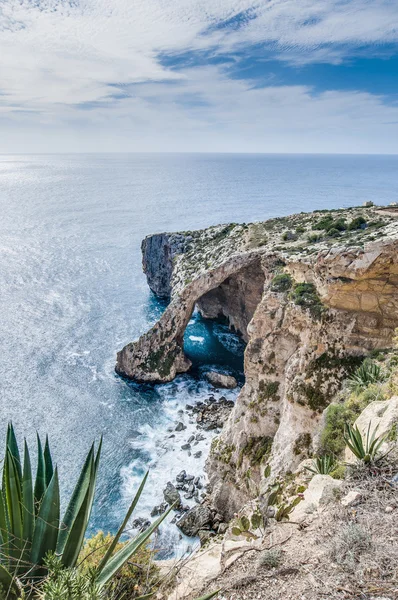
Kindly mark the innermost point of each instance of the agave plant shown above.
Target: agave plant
(369, 372)
(30, 523)
(365, 450)
(322, 465)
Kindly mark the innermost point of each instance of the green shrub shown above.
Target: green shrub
(270, 559)
(366, 450)
(306, 295)
(357, 223)
(348, 544)
(281, 282)
(334, 233)
(332, 436)
(322, 465)
(313, 238)
(369, 372)
(134, 578)
(30, 523)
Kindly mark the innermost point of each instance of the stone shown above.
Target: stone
(195, 519)
(171, 495)
(389, 509)
(186, 447)
(181, 476)
(222, 528)
(205, 535)
(321, 490)
(180, 426)
(141, 524)
(198, 454)
(221, 380)
(352, 498)
(159, 510)
(203, 567)
(191, 439)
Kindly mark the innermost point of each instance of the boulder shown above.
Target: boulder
(380, 414)
(321, 490)
(205, 535)
(195, 519)
(221, 381)
(352, 498)
(171, 494)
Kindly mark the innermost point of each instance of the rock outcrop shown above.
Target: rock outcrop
(309, 305)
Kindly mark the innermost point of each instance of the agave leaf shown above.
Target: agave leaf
(3, 526)
(208, 596)
(14, 505)
(115, 540)
(78, 529)
(76, 500)
(12, 446)
(48, 463)
(28, 508)
(125, 553)
(47, 523)
(8, 583)
(40, 484)
(28, 504)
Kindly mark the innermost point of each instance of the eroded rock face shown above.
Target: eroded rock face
(299, 348)
(158, 252)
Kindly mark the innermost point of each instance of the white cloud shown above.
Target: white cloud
(58, 54)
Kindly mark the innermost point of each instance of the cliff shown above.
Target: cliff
(311, 294)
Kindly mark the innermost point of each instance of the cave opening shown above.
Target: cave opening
(217, 333)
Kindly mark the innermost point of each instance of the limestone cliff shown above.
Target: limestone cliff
(311, 294)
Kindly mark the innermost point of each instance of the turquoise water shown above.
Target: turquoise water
(72, 291)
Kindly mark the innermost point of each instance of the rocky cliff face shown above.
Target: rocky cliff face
(311, 294)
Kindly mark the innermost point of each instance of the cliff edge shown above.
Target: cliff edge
(311, 294)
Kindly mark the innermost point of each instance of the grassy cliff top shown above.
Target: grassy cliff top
(299, 237)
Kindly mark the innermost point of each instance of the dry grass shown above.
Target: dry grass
(348, 553)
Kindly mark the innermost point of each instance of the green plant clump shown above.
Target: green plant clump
(305, 295)
(357, 223)
(281, 282)
(31, 527)
(366, 450)
(322, 465)
(369, 372)
(332, 437)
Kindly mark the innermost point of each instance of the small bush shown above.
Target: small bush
(334, 233)
(369, 372)
(270, 558)
(332, 437)
(313, 238)
(357, 223)
(366, 450)
(281, 283)
(135, 575)
(322, 465)
(348, 545)
(306, 295)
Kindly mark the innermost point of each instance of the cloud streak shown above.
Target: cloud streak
(63, 62)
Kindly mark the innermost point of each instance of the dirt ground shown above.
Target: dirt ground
(345, 553)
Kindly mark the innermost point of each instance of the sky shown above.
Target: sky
(199, 76)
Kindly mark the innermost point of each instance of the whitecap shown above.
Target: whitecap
(197, 338)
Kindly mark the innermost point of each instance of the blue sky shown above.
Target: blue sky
(199, 75)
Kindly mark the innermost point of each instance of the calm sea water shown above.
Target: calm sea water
(73, 293)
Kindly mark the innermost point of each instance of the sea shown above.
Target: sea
(72, 293)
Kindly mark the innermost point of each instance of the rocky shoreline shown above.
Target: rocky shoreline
(197, 520)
